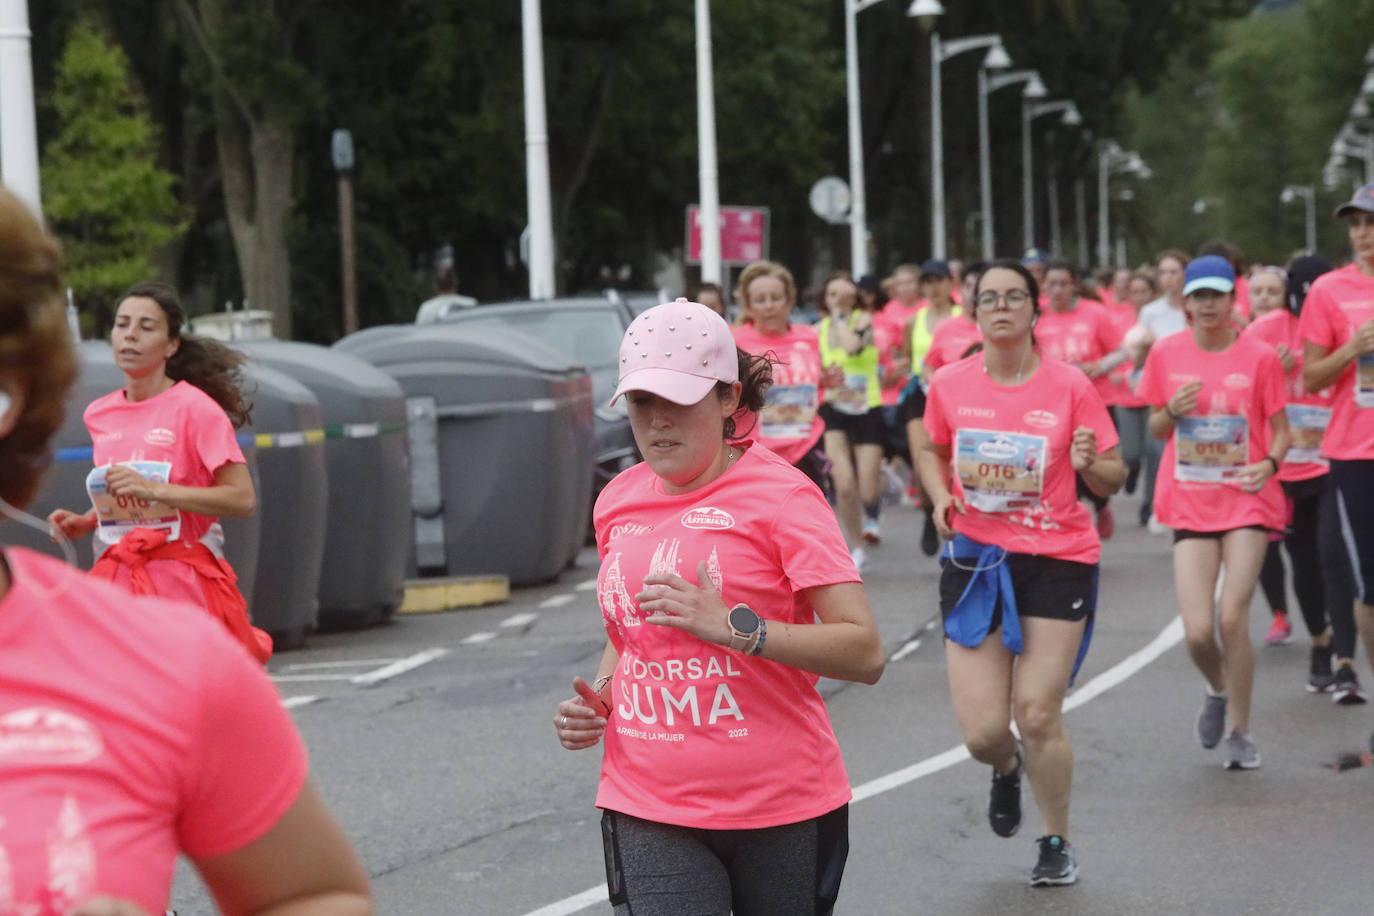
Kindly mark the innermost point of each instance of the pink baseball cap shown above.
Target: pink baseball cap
(678, 351)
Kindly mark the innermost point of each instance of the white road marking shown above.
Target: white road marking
(587, 586)
(1169, 637)
(400, 666)
(357, 663)
(293, 702)
(519, 620)
(298, 678)
(557, 601)
(476, 638)
(911, 645)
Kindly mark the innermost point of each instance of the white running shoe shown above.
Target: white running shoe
(860, 558)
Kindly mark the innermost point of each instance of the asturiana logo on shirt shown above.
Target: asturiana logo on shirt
(160, 437)
(40, 735)
(707, 517)
(1042, 419)
(1236, 380)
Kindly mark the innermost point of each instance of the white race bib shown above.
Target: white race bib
(118, 515)
(1210, 449)
(1308, 423)
(788, 412)
(1364, 380)
(1000, 471)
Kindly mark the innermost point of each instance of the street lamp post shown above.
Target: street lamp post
(341, 150)
(18, 128)
(996, 59)
(1110, 156)
(537, 194)
(858, 200)
(709, 177)
(1309, 195)
(987, 85)
(1069, 117)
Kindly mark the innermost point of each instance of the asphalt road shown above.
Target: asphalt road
(432, 739)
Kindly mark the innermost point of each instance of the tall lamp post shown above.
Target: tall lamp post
(858, 205)
(926, 12)
(341, 150)
(1309, 196)
(709, 178)
(1068, 116)
(18, 129)
(1111, 157)
(537, 195)
(987, 85)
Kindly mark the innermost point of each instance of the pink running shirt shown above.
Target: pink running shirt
(1083, 335)
(1338, 303)
(1242, 388)
(789, 424)
(1009, 455)
(1308, 414)
(182, 425)
(703, 736)
(131, 729)
(949, 343)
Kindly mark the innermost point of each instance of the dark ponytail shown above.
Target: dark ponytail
(212, 367)
(756, 377)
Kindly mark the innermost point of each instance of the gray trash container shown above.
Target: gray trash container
(502, 447)
(292, 487)
(367, 533)
(65, 484)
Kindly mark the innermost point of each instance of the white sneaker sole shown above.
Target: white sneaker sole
(1058, 881)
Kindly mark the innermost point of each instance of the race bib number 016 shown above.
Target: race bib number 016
(1308, 423)
(1364, 381)
(1210, 449)
(1000, 471)
(118, 515)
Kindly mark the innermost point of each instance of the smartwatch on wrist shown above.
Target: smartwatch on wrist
(744, 627)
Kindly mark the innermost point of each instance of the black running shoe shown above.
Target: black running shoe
(1058, 863)
(1004, 801)
(930, 538)
(1346, 690)
(1132, 475)
(1319, 676)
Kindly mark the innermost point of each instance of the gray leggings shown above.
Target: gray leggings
(655, 869)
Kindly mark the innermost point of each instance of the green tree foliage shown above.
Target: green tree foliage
(103, 192)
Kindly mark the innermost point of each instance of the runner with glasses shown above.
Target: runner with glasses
(1009, 431)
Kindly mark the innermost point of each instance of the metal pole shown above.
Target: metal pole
(706, 149)
(1369, 157)
(18, 130)
(984, 164)
(1027, 181)
(1104, 251)
(1310, 199)
(537, 194)
(937, 155)
(858, 207)
(1081, 218)
(350, 281)
(1052, 189)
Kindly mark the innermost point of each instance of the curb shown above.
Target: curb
(432, 596)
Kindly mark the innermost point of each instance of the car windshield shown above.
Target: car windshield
(591, 337)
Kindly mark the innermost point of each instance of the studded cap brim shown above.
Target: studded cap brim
(672, 384)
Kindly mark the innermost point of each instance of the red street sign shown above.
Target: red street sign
(743, 234)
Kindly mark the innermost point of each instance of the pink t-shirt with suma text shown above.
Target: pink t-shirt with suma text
(1338, 303)
(184, 426)
(702, 735)
(789, 423)
(131, 729)
(1009, 455)
(1242, 389)
(1083, 335)
(1308, 414)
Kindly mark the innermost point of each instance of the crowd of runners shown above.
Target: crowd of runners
(1009, 401)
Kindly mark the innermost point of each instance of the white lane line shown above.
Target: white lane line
(477, 638)
(519, 620)
(557, 601)
(587, 586)
(298, 678)
(356, 663)
(1169, 637)
(911, 645)
(399, 667)
(293, 702)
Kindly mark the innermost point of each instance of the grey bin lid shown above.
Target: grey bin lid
(492, 349)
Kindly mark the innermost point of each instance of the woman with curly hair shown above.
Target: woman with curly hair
(167, 464)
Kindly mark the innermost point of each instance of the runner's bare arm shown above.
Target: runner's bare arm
(303, 866)
(933, 465)
(1321, 366)
(232, 495)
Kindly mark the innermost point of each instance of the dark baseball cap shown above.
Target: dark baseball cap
(1033, 256)
(1363, 199)
(935, 268)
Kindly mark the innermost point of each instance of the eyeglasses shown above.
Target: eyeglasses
(1014, 298)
